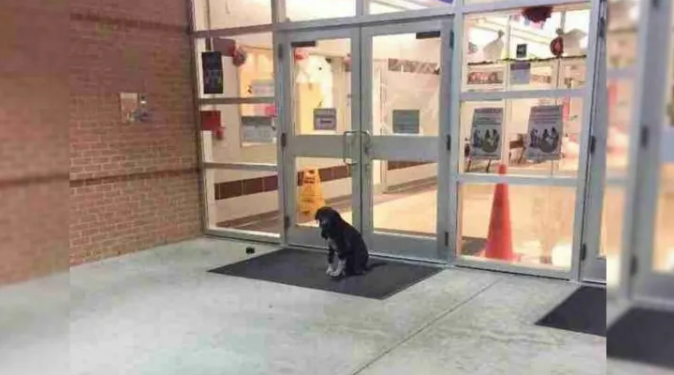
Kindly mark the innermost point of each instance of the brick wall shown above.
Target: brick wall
(132, 186)
(33, 139)
(76, 184)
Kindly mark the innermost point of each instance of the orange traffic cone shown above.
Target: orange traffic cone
(499, 241)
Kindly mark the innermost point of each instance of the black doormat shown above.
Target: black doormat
(307, 269)
(645, 336)
(584, 311)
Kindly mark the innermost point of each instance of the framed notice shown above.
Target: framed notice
(520, 73)
(211, 64)
(262, 88)
(485, 139)
(544, 138)
(406, 121)
(485, 76)
(257, 129)
(325, 119)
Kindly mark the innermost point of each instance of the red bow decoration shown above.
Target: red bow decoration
(239, 57)
(299, 54)
(537, 14)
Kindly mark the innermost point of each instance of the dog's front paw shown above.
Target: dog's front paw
(330, 270)
(335, 273)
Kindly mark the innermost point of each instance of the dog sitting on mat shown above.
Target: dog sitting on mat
(344, 240)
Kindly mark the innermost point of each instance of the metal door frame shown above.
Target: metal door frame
(638, 280)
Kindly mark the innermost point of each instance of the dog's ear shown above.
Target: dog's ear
(319, 213)
(333, 216)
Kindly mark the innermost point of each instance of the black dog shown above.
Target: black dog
(344, 240)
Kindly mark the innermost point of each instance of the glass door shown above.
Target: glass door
(405, 70)
(321, 135)
(363, 133)
(606, 171)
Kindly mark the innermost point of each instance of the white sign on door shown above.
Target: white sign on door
(544, 138)
(325, 119)
(485, 138)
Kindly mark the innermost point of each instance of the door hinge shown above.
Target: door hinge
(583, 252)
(286, 222)
(449, 143)
(602, 28)
(279, 51)
(284, 140)
(451, 40)
(446, 238)
(643, 137)
(634, 266)
(593, 144)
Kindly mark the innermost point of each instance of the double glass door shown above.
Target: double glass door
(365, 132)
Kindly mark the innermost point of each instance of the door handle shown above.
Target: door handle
(345, 137)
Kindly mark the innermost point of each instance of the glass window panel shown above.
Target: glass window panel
(307, 10)
(664, 237)
(516, 140)
(405, 189)
(497, 47)
(541, 220)
(406, 85)
(322, 79)
(247, 65)
(222, 14)
(333, 188)
(242, 200)
(392, 6)
(244, 133)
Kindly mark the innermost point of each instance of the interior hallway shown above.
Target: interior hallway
(541, 216)
(160, 312)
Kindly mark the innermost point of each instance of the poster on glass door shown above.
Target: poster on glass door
(485, 139)
(544, 138)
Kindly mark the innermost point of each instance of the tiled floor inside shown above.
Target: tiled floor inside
(160, 312)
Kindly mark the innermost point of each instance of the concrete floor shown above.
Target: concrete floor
(160, 312)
